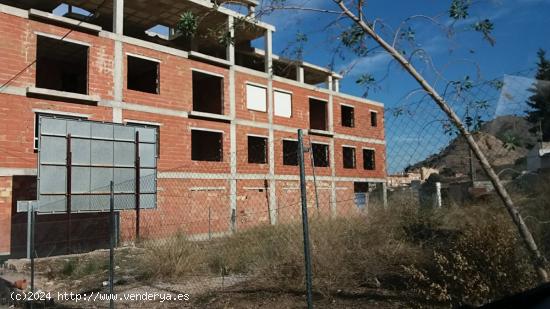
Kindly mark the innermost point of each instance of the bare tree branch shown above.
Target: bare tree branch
(302, 8)
(539, 260)
(408, 19)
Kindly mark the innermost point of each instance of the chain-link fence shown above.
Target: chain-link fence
(431, 233)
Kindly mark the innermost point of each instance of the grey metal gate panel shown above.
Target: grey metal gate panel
(98, 154)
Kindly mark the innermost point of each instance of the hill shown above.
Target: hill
(505, 140)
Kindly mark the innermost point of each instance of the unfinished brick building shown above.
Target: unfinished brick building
(227, 116)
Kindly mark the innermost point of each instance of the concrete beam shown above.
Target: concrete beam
(64, 20)
(208, 58)
(8, 171)
(10, 10)
(222, 176)
(144, 108)
(43, 92)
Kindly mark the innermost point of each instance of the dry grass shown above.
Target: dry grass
(454, 256)
(480, 259)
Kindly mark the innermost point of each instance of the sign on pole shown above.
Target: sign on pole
(78, 159)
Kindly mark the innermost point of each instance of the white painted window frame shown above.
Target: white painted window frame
(275, 90)
(246, 96)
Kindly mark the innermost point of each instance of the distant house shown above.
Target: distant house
(539, 157)
(406, 179)
(402, 180)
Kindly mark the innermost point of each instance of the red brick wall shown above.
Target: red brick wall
(300, 105)
(289, 206)
(252, 203)
(362, 126)
(175, 148)
(17, 137)
(242, 151)
(359, 171)
(242, 112)
(20, 54)
(288, 201)
(345, 200)
(319, 171)
(280, 168)
(176, 83)
(183, 205)
(5, 213)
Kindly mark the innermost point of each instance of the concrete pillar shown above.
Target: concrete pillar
(118, 16)
(336, 85)
(269, 52)
(271, 155)
(251, 11)
(272, 200)
(330, 108)
(233, 169)
(384, 194)
(118, 58)
(117, 114)
(230, 54)
(333, 197)
(437, 199)
(231, 46)
(300, 73)
(271, 139)
(328, 82)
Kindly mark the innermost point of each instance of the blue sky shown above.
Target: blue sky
(521, 28)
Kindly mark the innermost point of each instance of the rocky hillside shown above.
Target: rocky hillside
(505, 140)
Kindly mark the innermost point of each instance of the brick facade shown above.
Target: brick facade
(5, 214)
(191, 193)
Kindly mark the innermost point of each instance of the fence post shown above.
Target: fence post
(307, 256)
(29, 228)
(69, 163)
(138, 187)
(314, 176)
(111, 246)
(209, 222)
(32, 209)
(385, 195)
(233, 220)
(437, 200)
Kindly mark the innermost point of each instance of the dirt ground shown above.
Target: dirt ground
(87, 275)
(243, 297)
